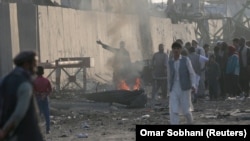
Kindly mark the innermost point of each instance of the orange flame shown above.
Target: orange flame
(137, 84)
(124, 86)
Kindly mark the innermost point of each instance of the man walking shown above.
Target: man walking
(42, 90)
(181, 82)
(18, 117)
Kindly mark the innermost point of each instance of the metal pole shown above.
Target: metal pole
(58, 75)
(37, 35)
(84, 79)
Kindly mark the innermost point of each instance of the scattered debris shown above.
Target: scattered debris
(244, 118)
(235, 112)
(159, 108)
(85, 125)
(113, 108)
(83, 119)
(145, 116)
(222, 115)
(164, 114)
(132, 99)
(240, 98)
(124, 119)
(63, 136)
(208, 116)
(82, 135)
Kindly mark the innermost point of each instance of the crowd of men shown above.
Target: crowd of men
(223, 70)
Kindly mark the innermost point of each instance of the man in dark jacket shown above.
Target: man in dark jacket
(159, 65)
(213, 75)
(18, 119)
(121, 62)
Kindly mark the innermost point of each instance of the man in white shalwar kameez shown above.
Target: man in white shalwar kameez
(181, 83)
(197, 62)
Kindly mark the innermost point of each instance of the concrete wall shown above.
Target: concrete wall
(14, 30)
(9, 41)
(65, 32)
(73, 33)
(164, 32)
(27, 26)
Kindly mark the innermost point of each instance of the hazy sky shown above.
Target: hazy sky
(155, 1)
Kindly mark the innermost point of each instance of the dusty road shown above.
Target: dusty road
(76, 119)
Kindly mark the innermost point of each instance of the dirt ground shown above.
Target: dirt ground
(74, 118)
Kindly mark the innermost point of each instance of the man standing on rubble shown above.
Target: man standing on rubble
(159, 66)
(200, 50)
(121, 62)
(244, 56)
(181, 81)
(196, 61)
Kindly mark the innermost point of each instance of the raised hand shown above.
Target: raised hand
(99, 42)
(193, 89)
